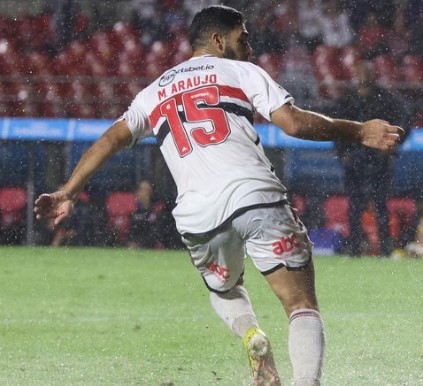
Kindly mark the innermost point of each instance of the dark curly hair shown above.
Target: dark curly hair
(216, 17)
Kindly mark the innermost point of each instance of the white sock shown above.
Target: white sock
(234, 308)
(306, 346)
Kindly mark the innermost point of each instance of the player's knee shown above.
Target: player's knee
(221, 287)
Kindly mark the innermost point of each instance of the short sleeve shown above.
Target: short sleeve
(137, 120)
(264, 93)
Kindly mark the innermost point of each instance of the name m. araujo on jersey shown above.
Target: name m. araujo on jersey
(201, 112)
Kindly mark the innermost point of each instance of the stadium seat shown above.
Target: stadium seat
(402, 213)
(130, 60)
(326, 60)
(328, 70)
(120, 34)
(81, 25)
(350, 56)
(100, 45)
(297, 58)
(157, 59)
(272, 63)
(93, 66)
(76, 53)
(84, 197)
(10, 60)
(182, 50)
(37, 63)
(5, 105)
(336, 211)
(49, 97)
(370, 230)
(81, 110)
(12, 206)
(42, 32)
(22, 99)
(299, 202)
(385, 69)
(120, 206)
(411, 69)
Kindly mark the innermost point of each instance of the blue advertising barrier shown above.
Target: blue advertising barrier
(88, 130)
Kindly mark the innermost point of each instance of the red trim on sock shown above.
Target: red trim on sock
(304, 313)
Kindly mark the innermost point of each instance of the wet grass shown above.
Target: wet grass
(122, 317)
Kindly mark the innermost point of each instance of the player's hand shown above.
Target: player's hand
(379, 134)
(55, 205)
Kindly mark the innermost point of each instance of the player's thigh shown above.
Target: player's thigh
(295, 288)
(278, 244)
(218, 259)
(274, 237)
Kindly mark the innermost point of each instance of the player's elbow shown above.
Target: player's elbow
(288, 118)
(293, 129)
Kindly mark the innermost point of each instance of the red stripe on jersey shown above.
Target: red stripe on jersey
(233, 92)
(227, 91)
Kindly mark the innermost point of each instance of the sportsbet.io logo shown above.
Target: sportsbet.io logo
(167, 78)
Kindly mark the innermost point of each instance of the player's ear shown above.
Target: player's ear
(218, 41)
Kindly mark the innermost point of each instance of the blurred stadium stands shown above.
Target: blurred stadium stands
(111, 57)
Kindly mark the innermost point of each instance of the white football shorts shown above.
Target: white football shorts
(273, 237)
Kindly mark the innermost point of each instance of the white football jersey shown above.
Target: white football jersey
(201, 112)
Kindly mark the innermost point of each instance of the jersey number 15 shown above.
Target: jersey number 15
(207, 97)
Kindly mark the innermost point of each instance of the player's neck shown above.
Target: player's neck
(206, 51)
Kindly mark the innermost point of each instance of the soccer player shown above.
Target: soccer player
(230, 203)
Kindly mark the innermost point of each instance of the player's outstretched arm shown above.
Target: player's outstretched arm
(58, 205)
(310, 125)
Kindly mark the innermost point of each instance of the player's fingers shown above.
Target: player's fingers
(43, 198)
(393, 136)
(60, 218)
(395, 129)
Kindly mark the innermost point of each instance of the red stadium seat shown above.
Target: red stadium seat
(120, 206)
(42, 31)
(300, 203)
(37, 63)
(326, 60)
(328, 70)
(93, 66)
(412, 69)
(402, 214)
(81, 111)
(271, 63)
(81, 24)
(100, 45)
(50, 99)
(370, 230)
(12, 206)
(79, 90)
(10, 60)
(120, 34)
(336, 211)
(5, 104)
(385, 69)
(22, 99)
(130, 60)
(297, 59)
(182, 50)
(79, 98)
(157, 59)
(350, 57)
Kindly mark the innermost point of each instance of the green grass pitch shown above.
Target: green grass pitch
(125, 317)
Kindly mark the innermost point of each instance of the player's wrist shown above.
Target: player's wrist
(68, 196)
